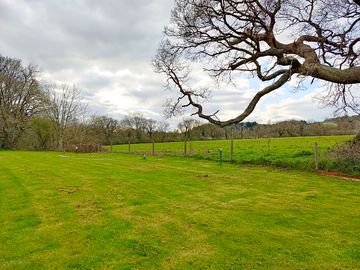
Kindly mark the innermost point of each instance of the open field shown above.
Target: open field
(114, 211)
(295, 152)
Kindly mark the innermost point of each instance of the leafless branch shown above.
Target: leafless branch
(237, 36)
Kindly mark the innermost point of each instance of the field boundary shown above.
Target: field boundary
(299, 153)
(341, 175)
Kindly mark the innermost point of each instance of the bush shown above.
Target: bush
(345, 158)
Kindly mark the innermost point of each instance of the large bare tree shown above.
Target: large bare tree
(186, 126)
(64, 106)
(151, 126)
(21, 97)
(274, 40)
(135, 121)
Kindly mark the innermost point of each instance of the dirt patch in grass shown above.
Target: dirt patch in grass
(69, 190)
(341, 175)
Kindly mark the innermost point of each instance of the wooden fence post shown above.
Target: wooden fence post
(316, 153)
(129, 146)
(220, 155)
(153, 148)
(185, 150)
(231, 149)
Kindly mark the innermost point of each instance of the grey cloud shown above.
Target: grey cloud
(105, 48)
(94, 81)
(111, 33)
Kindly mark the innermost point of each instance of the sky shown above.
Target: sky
(105, 48)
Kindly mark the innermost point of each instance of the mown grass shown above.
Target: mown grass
(295, 152)
(114, 211)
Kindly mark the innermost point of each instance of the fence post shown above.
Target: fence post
(129, 146)
(185, 148)
(220, 155)
(153, 148)
(231, 149)
(316, 153)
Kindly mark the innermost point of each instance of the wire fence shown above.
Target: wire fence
(296, 152)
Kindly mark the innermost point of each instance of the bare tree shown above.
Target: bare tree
(78, 131)
(163, 127)
(150, 126)
(106, 126)
(64, 107)
(135, 121)
(21, 97)
(126, 130)
(247, 36)
(186, 126)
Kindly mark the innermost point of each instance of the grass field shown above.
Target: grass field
(118, 211)
(296, 152)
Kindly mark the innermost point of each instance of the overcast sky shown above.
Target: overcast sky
(106, 47)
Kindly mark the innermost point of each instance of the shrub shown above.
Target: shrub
(346, 157)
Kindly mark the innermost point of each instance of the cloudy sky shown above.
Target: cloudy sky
(106, 47)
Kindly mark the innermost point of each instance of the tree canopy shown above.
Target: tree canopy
(21, 96)
(274, 40)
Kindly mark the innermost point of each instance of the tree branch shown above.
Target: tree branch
(242, 35)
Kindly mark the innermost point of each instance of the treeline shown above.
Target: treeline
(48, 116)
(34, 114)
(345, 125)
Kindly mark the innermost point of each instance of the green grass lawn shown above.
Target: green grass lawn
(118, 211)
(295, 152)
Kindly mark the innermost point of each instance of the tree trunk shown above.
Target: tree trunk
(60, 143)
